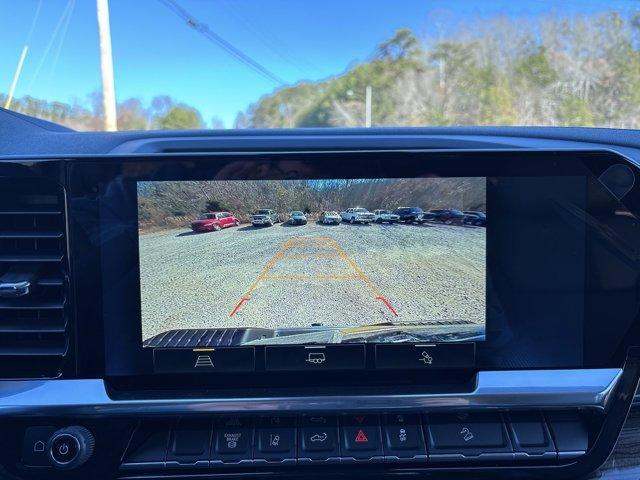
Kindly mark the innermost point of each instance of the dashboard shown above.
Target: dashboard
(380, 302)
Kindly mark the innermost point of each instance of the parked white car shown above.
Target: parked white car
(357, 215)
(381, 216)
(330, 217)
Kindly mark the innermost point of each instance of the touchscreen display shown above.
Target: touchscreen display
(312, 261)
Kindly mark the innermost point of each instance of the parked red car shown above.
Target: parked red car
(214, 221)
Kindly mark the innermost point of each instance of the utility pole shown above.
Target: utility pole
(16, 75)
(367, 107)
(106, 67)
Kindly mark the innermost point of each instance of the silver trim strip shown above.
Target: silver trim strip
(589, 388)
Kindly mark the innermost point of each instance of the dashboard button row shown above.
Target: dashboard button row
(370, 438)
(310, 358)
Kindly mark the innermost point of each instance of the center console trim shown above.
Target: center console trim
(577, 388)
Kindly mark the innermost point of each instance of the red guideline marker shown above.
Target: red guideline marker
(235, 310)
(389, 306)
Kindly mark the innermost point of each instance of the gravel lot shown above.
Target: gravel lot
(424, 272)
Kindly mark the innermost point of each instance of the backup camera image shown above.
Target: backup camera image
(229, 263)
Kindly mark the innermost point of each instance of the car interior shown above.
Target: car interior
(375, 301)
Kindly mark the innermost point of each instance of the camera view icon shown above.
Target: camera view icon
(316, 358)
(204, 361)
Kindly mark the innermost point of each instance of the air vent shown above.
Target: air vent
(33, 278)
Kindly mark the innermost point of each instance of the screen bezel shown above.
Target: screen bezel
(88, 176)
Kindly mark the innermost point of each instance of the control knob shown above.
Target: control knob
(70, 447)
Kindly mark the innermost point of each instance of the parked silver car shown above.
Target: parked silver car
(265, 217)
(297, 218)
(381, 216)
(330, 217)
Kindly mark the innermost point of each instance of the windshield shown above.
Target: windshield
(207, 216)
(189, 64)
(263, 212)
(297, 214)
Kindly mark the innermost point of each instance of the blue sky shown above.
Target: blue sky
(155, 53)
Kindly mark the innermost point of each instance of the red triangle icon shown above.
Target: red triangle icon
(359, 419)
(361, 437)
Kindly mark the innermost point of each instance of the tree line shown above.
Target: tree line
(570, 71)
(161, 113)
(164, 205)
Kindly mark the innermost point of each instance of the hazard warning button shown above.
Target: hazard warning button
(361, 438)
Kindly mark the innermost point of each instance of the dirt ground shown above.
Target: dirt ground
(293, 276)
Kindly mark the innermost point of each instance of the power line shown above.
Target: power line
(54, 35)
(204, 29)
(63, 36)
(23, 55)
(33, 22)
(268, 39)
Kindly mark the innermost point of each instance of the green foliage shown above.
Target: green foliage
(435, 118)
(334, 102)
(452, 58)
(497, 106)
(575, 111)
(163, 112)
(132, 115)
(180, 117)
(403, 45)
(282, 109)
(215, 206)
(536, 69)
(629, 66)
(582, 70)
